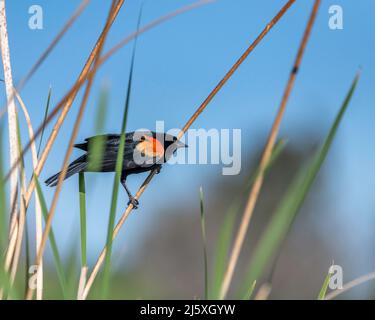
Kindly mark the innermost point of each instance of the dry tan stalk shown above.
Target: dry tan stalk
(16, 241)
(10, 249)
(17, 249)
(253, 195)
(19, 234)
(14, 249)
(21, 226)
(12, 116)
(113, 13)
(269, 26)
(82, 282)
(263, 292)
(38, 210)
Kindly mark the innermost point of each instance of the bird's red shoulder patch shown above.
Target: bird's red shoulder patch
(151, 147)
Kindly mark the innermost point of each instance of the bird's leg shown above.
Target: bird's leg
(158, 168)
(132, 200)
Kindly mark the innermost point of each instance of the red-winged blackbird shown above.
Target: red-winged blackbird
(143, 151)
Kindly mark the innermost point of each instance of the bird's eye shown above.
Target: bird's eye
(174, 139)
(143, 138)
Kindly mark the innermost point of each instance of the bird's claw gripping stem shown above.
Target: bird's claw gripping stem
(134, 202)
(158, 168)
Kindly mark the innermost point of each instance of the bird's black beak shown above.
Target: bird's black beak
(180, 144)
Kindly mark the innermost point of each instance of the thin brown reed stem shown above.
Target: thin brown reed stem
(268, 27)
(253, 196)
(123, 218)
(113, 13)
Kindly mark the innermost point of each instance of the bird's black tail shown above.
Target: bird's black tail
(76, 166)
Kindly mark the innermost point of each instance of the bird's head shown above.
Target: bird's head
(172, 141)
(171, 145)
(158, 145)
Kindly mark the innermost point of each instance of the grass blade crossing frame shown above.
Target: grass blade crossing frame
(254, 193)
(203, 227)
(116, 182)
(55, 251)
(293, 200)
(82, 211)
(226, 232)
(44, 120)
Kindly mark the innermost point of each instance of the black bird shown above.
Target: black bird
(143, 151)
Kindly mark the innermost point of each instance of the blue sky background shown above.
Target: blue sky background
(177, 65)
